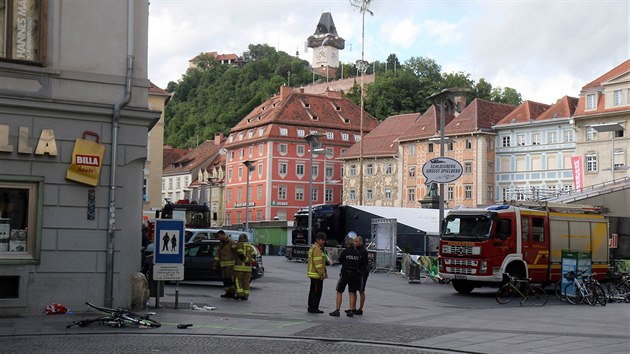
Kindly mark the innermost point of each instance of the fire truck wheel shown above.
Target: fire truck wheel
(462, 286)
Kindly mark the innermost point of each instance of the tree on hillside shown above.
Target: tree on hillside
(211, 98)
(392, 62)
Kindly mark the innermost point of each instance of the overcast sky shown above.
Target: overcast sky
(545, 49)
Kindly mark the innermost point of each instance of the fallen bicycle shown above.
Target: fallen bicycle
(117, 318)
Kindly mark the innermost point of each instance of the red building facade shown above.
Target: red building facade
(271, 139)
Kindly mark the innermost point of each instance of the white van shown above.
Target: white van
(192, 235)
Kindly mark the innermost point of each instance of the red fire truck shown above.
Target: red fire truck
(524, 240)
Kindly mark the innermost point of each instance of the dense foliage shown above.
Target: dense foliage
(211, 98)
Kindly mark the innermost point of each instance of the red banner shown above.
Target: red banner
(578, 172)
(612, 242)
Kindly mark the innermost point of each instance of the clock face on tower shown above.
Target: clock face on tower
(333, 55)
(321, 54)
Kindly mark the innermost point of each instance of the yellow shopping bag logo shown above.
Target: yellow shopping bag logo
(87, 159)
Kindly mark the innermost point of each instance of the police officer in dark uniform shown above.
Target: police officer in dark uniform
(364, 270)
(350, 259)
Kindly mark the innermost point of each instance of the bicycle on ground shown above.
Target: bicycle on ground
(583, 287)
(117, 318)
(521, 287)
(618, 288)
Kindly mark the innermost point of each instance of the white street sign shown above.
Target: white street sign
(442, 170)
(168, 272)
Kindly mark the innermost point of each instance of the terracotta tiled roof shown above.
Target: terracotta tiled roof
(596, 86)
(194, 158)
(297, 109)
(478, 116)
(155, 90)
(618, 70)
(227, 57)
(563, 108)
(217, 56)
(526, 112)
(171, 154)
(427, 125)
(382, 141)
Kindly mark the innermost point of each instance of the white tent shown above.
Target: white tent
(426, 220)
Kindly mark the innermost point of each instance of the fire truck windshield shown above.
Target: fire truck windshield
(467, 227)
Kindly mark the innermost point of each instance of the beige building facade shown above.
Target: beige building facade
(601, 121)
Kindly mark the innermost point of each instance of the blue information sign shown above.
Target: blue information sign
(169, 242)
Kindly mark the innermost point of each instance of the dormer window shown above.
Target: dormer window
(300, 133)
(261, 131)
(345, 136)
(357, 137)
(313, 117)
(284, 131)
(240, 136)
(305, 103)
(591, 101)
(250, 134)
(330, 135)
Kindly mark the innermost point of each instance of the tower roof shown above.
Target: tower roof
(326, 31)
(326, 25)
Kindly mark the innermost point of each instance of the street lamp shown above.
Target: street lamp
(362, 66)
(443, 98)
(612, 128)
(315, 146)
(249, 167)
(363, 6)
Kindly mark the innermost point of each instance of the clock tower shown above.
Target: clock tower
(326, 45)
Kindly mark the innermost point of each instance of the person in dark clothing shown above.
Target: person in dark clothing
(364, 270)
(350, 260)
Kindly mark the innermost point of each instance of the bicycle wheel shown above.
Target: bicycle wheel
(505, 294)
(537, 296)
(589, 295)
(573, 294)
(140, 320)
(599, 294)
(557, 288)
(102, 321)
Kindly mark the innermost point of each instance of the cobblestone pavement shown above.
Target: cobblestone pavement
(399, 317)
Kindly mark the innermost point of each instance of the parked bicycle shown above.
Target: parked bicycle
(117, 318)
(618, 288)
(583, 288)
(521, 287)
(557, 288)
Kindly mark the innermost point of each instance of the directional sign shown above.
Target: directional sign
(442, 170)
(168, 255)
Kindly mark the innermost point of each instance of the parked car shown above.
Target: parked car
(199, 261)
(191, 235)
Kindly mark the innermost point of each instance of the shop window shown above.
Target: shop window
(19, 202)
(23, 30)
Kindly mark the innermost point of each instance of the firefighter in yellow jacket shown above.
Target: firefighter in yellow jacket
(225, 257)
(243, 267)
(316, 272)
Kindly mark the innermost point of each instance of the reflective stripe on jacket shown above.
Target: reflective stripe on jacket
(226, 252)
(316, 262)
(244, 264)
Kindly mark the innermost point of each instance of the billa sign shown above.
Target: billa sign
(442, 170)
(87, 159)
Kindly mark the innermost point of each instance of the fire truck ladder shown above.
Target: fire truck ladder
(560, 207)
